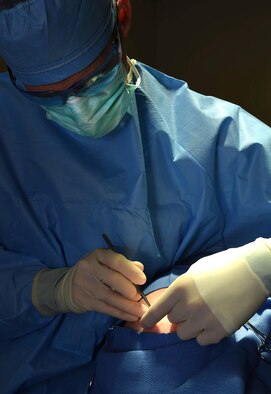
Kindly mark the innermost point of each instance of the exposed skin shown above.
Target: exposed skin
(163, 326)
(124, 23)
(184, 306)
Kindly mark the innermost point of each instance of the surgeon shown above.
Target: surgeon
(93, 142)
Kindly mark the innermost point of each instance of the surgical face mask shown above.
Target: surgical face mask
(100, 107)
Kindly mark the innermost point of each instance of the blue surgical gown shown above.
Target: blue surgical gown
(182, 176)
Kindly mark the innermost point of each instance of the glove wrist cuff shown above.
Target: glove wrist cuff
(260, 261)
(51, 291)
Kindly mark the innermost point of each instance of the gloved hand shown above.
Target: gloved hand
(102, 281)
(217, 295)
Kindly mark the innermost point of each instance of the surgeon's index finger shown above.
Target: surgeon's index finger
(159, 309)
(119, 263)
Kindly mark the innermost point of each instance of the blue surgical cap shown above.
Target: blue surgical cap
(46, 41)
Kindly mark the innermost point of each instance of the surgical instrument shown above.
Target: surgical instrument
(140, 292)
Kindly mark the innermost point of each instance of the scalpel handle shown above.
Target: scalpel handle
(140, 292)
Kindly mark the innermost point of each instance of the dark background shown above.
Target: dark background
(219, 48)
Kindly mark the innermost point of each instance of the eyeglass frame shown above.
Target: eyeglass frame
(265, 345)
(52, 98)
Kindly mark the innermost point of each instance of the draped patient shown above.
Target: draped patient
(163, 326)
(133, 359)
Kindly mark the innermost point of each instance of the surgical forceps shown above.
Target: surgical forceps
(138, 289)
(264, 349)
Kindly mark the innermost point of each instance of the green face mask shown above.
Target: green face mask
(101, 106)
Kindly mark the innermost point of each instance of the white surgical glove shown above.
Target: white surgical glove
(217, 295)
(102, 281)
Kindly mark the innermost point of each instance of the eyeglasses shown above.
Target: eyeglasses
(52, 98)
(264, 349)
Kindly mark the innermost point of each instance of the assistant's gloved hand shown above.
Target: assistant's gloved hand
(102, 281)
(217, 295)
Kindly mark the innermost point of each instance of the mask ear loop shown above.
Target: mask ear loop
(133, 72)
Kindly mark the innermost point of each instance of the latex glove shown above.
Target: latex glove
(216, 296)
(102, 281)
